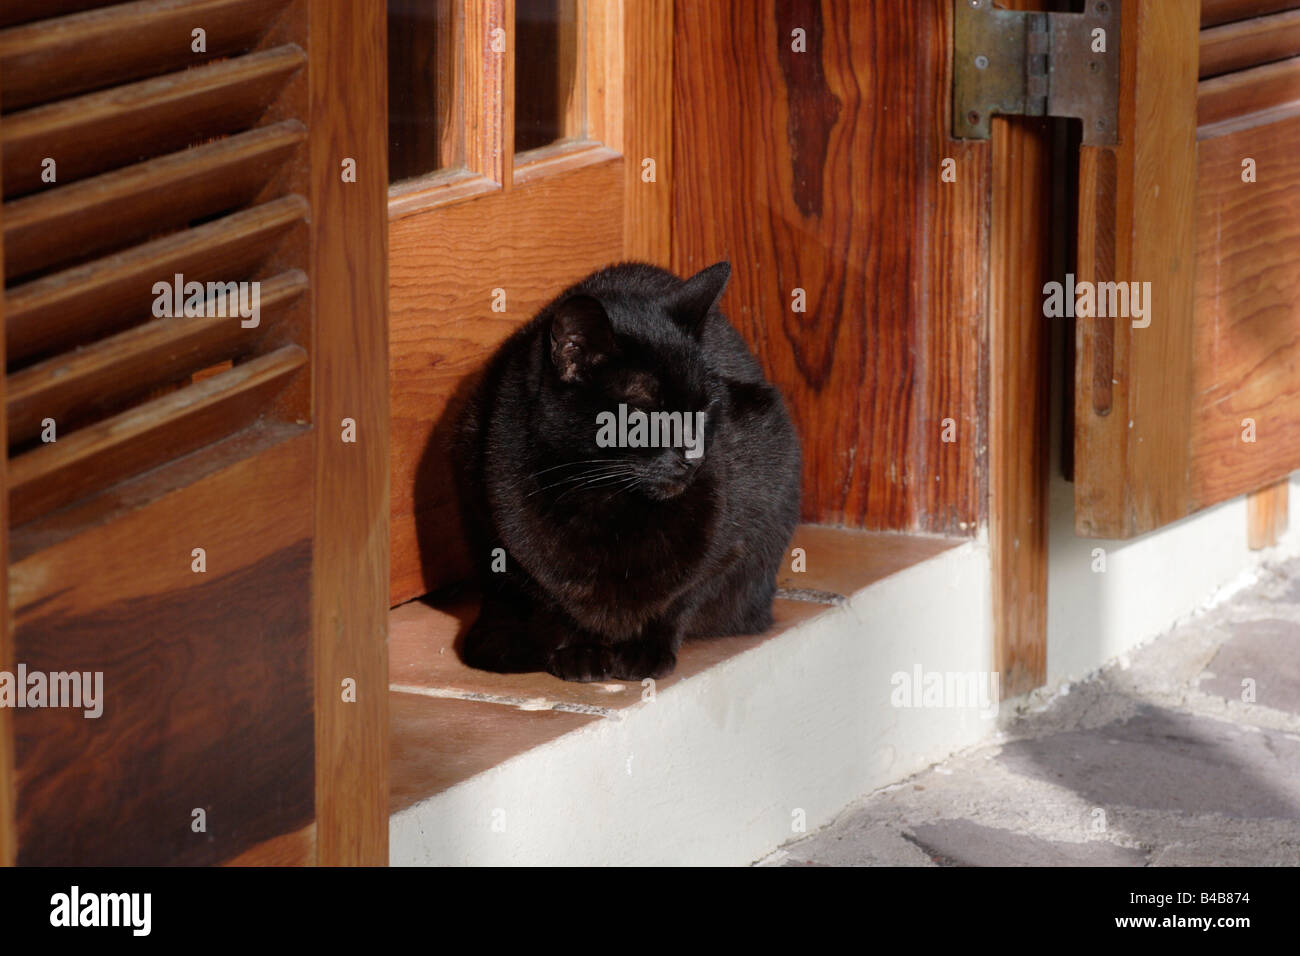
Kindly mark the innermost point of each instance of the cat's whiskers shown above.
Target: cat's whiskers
(573, 464)
(603, 472)
(592, 472)
(597, 481)
(628, 485)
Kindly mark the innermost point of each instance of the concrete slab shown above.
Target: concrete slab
(964, 843)
(1154, 760)
(869, 844)
(1267, 654)
(1167, 760)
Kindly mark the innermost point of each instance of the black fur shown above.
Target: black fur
(615, 555)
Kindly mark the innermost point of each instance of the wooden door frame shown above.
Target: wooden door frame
(349, 256)
(1019, 433)
(8, 786)
(648, 66)
(1018, 430)
(1137, 219)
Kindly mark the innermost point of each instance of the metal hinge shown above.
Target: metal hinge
(1036, 64)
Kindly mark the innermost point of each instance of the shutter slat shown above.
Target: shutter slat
(144, 437)
(1247, 43)
(24, 11)
(99, 131)
(54, 59)
(68, 224)
(112, 372)
(1215, 12)
(67, 308)
(1247, 91)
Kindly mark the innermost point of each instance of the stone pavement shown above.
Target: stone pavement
(1184, 752)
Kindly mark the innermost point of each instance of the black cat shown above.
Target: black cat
(599, 558)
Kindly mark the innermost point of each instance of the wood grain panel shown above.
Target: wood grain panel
(8, 838)
(272, 480)
(1266, 515)
(1248, 91)
(489, 91)
(1214, 12)
(142, 490)
(954, 323)
(1019, 364)
(291, 849)
(647, 97)
(605, 69)
(1237, 46)
(1136, 224)
(350, 549)
(207, 677)
(824, 176)
(443, 329)
(1247, 343)
(439, 743)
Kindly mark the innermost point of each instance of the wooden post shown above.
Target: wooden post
(349, 266)
(1018, 397)
(1266, 515)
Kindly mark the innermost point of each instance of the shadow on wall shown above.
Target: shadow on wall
(445, 554)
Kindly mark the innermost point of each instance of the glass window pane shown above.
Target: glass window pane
(548, 73)
(425, 110)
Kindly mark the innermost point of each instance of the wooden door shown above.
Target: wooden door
(530, 143)
(197, 501)
(1199, 400)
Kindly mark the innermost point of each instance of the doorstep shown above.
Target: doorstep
(749, 737)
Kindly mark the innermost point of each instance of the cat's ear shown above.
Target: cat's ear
(697, 296)
(581, 337)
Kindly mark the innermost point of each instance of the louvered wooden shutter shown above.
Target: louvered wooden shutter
(1199, 200)
(159, 168)
(186, 532)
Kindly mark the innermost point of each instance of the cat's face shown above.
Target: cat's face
(633, 406)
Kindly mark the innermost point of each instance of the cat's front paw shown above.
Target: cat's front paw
(644, 659)
(582, 662)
